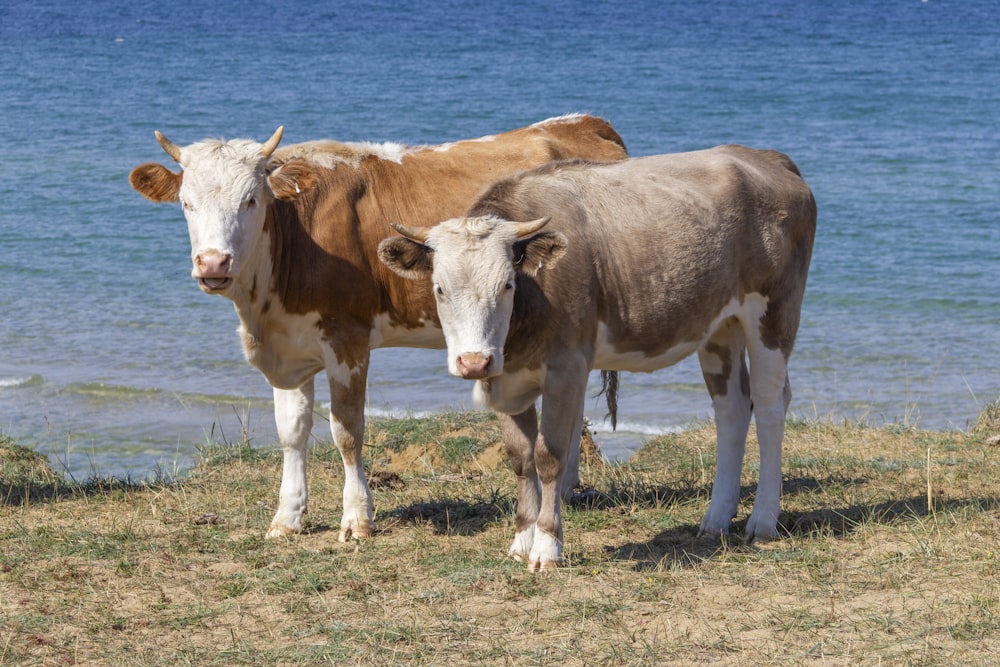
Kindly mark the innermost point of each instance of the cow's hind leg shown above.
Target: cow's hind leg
(571, 475)
(519, 435)
(771, 393)
(293, 416)
(723, 365)
(347, 424)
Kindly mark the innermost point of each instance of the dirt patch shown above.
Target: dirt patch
(462, 449)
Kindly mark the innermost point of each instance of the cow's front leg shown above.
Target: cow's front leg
(293, 416)
(519, 435)
(564, 389)
(347, 424)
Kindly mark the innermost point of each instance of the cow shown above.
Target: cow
(630, 266)
(290, 236)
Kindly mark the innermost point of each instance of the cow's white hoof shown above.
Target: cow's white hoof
(289, 519)
(715, 524)
(544, 566)
(761, 530)
(546, 553)
(355, 530)
(286, 522)
(521, 547)
(278, 530)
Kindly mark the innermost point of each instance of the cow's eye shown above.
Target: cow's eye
(508, 285)
(186, 205)
(251, 202)
(438, 290)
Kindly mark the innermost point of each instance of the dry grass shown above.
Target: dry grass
(115, 573)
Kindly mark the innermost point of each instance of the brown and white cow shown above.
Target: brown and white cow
(290, 236)
(644, 262)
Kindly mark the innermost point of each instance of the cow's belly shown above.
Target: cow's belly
(611, 355)
(387, 334)
(608, 358)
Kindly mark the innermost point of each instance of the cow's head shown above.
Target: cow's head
(473, 263)
(224, 188)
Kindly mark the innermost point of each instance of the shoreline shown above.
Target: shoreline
(625, 448)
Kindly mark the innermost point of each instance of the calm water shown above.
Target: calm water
(112, 360)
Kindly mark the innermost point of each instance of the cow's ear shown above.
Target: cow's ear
(155, 182)
(406, 258)
(291, 179)
(540, 251)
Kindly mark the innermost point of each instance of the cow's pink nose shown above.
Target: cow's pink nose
(213, 264)
(474, 365)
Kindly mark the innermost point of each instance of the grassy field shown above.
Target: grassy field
(891, 555)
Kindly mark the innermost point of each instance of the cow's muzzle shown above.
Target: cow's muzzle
(474, 365)
(212, 269)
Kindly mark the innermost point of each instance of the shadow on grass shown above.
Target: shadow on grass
(455, 516)
(844, 521)
(20, 492)
(26, 477)
(654, 496)
(682, 546)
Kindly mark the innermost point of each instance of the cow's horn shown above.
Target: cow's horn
(529, 228)
(169, 146)
(413, 233)
(272, 143)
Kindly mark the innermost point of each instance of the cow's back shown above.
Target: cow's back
(580, 136)
(360, 188)
(658, 246)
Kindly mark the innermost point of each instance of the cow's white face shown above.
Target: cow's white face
(224, 195)
(224, 190)
(473, 263)
(474, 281)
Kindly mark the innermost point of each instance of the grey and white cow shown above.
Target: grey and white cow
(629, 266)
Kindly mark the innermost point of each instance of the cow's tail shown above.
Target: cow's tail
(609, 387)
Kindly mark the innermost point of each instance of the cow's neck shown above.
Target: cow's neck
(250, 285)
(250, 297)
(323, 271)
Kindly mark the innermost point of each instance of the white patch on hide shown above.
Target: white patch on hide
(607, 357)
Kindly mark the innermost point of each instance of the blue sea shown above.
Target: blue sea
(112, 360)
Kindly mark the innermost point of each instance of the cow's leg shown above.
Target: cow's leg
(723, 365)
(771, 393)
(564, 389)
(519, 435)
(347, 424)
(571, 476)
(293, 416)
